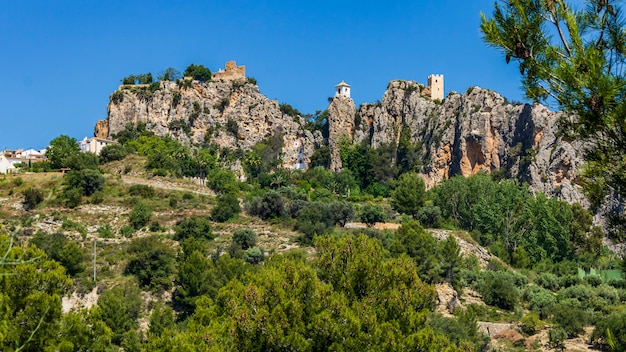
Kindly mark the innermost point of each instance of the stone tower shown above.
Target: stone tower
(435, 83)
(342, 89)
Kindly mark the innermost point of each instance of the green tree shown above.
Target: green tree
(573, 57)
(194, 227)
(31, 287)
(119, 307)
(244, 238)
(169, 74)
(88, 181)
(227, 207)
(198, 72)
(254, 255)
(161, 320)
(61, 148)
(140, 215)
(113, 152)
(151, 262)
(371, 214)
(409, 194)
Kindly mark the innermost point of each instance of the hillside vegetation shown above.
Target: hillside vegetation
(213, 263)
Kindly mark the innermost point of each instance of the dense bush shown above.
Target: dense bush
(88, 181)
(194, 227)
(198, 72)
(254, 255)
(139, 216)
(61, 249)
(119, 308)
(270, 205)
(498, 289)
(32, 197)
(113, 152)
(227, 207)
(143, 191)
(151, 262)
(371, 214)
(244, 239)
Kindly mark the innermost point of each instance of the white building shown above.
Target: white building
(6, 165)
(93, 145)
(342, 89)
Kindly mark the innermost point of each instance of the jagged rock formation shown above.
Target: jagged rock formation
(472, 132)
(231, 114)
(466, 133)
(341, 125)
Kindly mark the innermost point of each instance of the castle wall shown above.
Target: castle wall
(231, 73)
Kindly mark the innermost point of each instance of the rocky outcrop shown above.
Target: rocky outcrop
(341, 113)
(465, 134)
(231, 114)
(473, 132)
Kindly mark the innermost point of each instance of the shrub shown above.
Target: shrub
(155, 226)
(105, 231)
(198, 72)
(152, 262)
(72, 197)
(429, 216)
(371, 214)
(270, 205)
(244, 238)
(593, 280)
(254, 255)
(140, 216)
(113, 152)
(570, 316)
(498, 289)
(194, 227)
(127, 231)
(530, 323)
(232, 127)
(557, 337)
(227, 207)
(143, 191)
(32, 197)
(548, 281)
(540, 300)
(88, 181)
(610, 331)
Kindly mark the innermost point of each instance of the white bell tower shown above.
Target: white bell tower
(342, 89)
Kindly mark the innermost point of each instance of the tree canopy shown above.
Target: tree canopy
(574, 57)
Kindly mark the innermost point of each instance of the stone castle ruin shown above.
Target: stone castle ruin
(231, 73)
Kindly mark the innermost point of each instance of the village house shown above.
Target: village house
(6, 166)
(93, 144)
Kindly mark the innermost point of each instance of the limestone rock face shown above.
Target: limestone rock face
(102, 129)
(341, 113)
(231, 114)
(475, 131)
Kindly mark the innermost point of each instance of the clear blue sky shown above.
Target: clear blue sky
(62, 59)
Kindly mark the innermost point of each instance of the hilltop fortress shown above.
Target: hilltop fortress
(231, 73)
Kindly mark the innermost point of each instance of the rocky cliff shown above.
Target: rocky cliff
(466, 133)
(231, 114)
(471, 132)
(341, 113)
